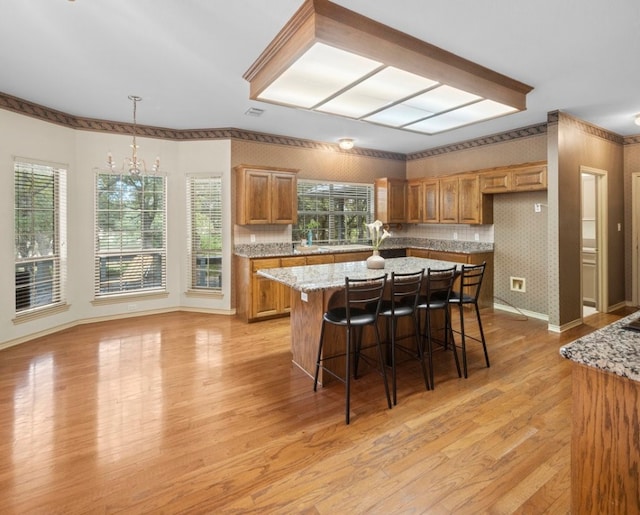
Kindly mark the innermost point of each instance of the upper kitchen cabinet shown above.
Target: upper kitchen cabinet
(507, 179)
(390, 200)
(461, 201)
(423, 200)
(266, 195)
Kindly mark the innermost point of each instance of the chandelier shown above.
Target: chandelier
(134, 165)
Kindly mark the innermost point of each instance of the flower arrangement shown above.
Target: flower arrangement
(376, 236)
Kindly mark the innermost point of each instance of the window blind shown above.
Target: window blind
(40, 235)
(204, 215)
(130, 234)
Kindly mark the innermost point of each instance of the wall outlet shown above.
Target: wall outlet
(455, 235)
(537, 208)
(304, 297)
(476, 237)
(252, 238)
(518, 284)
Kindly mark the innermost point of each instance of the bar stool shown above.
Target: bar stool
(435, 296)
(470, 284)
(360, 295)
(405, 289)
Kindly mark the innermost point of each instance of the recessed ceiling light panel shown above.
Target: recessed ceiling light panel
(330, 59)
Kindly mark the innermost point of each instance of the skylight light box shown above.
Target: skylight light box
(333, 60)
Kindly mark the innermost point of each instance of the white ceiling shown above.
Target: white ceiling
(186, 60)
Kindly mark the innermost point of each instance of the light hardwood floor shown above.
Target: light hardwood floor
(193, 413)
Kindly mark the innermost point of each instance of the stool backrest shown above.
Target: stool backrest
(471, 281)
(363, 293)
(405, 288)
(439, 283)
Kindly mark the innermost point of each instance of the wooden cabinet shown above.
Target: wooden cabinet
(461, 201)
(508, 179)
(414, 202)
(265, 293)
(266, 195)
(345, 257)
(449, 200)
(431, 200)
(423, 201)
(390, 200)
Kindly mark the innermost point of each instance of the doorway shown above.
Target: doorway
(635, 239)
(593, 240)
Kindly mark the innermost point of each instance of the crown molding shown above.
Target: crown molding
(553, 117)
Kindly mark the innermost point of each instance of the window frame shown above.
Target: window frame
(212, 275)
(52, 279)
(333, 232)
(136, 270)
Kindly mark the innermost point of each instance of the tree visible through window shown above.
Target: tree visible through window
(333, 212)
(40, 235)
(130, 233)
(204, 204)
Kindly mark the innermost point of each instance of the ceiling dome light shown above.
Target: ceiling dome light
(638, 119)
(345, 143)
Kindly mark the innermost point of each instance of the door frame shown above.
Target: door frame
(635, 238)
(602, 264)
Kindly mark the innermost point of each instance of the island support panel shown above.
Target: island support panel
(605, 444)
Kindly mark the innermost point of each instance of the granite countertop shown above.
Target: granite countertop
(258, 250)
(612, 349)
(322, 277)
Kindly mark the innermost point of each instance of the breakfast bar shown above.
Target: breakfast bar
(605, 441)
(316, 287)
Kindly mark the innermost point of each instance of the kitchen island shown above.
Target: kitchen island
(314, 288)
(605, 441)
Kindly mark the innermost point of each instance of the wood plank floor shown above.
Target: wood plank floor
(193, 413)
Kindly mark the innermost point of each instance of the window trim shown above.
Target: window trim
(203, 291)
(367, 215)
(59, 247)
(124, 252)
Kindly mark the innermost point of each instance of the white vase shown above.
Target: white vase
(375, 261)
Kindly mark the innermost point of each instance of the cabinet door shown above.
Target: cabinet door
(265, 293)
(431, 201)
(449, 200)
(530, 178)
(414, 201)
(420, 253)
(285, 291)
(319, 259)
(390, 200)
(346, 257)
(469, 200)
(284, 199)
(498, 181)
(257, 197)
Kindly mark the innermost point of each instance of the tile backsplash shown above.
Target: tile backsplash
(282, 233)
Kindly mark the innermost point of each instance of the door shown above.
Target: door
(594, 240)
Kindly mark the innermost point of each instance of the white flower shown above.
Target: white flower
(374, 233)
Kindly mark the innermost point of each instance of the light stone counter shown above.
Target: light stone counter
(612, 349)
(312, 289)
(322, 277)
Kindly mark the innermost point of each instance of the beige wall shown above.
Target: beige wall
(519, 236)
(577, 144)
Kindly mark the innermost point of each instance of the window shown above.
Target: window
(40, 221)
(131, 234)
(204, 211)
(334, 212)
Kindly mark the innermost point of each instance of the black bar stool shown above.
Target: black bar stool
(405, 289)
(470, 284)
(362, 301)
(435, 296)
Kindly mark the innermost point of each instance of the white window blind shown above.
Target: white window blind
(40, 229)
(130, 233)
(204, 214)
(334, 212)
